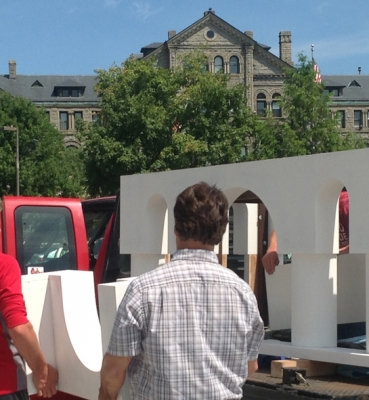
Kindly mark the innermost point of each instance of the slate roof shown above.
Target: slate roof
(22, 86)
(354, 87)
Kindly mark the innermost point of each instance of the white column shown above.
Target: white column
(314, 300)
(141, 263)
(110, 296)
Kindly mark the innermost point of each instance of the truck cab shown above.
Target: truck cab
(44, 234)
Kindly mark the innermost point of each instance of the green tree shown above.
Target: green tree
(155, 119)
(307, 126)
(45, 165)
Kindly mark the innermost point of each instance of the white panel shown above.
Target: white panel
(36, 292)
(77, 333)
(351, 288)
(245, 228)
(278, 288)
(314, 300)
(110, 296)
(141, 263)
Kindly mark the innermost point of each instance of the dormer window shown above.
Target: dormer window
(69, 88)
(69, 92)
(354, 83)
(335, 91)
(37, 83)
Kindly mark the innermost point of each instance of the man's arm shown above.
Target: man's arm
(270, 259)
(25, 340)
(113, 375)
(252, 366)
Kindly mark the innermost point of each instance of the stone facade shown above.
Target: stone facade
(259, 70)
(234, 52)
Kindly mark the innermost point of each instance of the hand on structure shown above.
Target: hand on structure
(47, 387)
(270, 260)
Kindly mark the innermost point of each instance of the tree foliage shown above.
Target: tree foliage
(45, 167)
(156, 119)
(307, 127)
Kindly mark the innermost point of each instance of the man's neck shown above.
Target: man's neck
(193, 244)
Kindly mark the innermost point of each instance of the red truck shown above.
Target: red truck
(51, 234)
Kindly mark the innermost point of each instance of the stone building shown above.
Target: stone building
(252, 64)
(227, 49)
(64, 98)
(234, 52)
(350, 99)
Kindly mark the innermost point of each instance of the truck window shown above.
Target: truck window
(45, 239)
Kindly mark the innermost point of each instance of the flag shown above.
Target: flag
(318, 75)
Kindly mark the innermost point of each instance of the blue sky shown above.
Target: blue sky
(75, 37)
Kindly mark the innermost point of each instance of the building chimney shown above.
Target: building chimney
(171, 34)
(285, 44)
(12, 69)
(250, 34)
(359, 70)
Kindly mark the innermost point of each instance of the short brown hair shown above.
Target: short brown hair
(201, 214)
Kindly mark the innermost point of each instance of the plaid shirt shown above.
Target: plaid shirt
(192, 326)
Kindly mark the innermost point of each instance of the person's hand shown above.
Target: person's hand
(46, 381)
(52, 380)
(39, 378)
(270, 261)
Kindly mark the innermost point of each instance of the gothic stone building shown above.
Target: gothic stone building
(234, 52)
(252, 64)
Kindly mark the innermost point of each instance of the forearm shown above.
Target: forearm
(252, 366)
(273, 244)
(26, 342)
(113, 375)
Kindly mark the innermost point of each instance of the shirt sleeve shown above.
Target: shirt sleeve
(255, 334)
(126, 336)
(12, 305)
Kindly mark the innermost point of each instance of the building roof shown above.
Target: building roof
(212, 18)
(41, 88)
(354, 87)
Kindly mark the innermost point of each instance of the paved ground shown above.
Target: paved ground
(261, 385)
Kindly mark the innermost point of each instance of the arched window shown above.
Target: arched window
(276, 108)
(261, 104)
(218, 64)
(234, 65)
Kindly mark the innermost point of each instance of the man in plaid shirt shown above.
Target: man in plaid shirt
(189, 329)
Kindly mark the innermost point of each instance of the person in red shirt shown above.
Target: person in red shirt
(270, 260)
(18, 340)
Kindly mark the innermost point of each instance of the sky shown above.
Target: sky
(76, 37)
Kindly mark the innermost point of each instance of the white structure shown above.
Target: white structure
(301, 194)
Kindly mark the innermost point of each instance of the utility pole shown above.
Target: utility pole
(12, 128)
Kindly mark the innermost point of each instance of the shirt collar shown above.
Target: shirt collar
(196, 255)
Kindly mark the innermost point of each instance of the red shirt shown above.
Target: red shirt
(12, 313)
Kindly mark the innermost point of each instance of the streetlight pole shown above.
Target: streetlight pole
(15, 129)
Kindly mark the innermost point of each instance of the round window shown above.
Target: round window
(210, 34)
